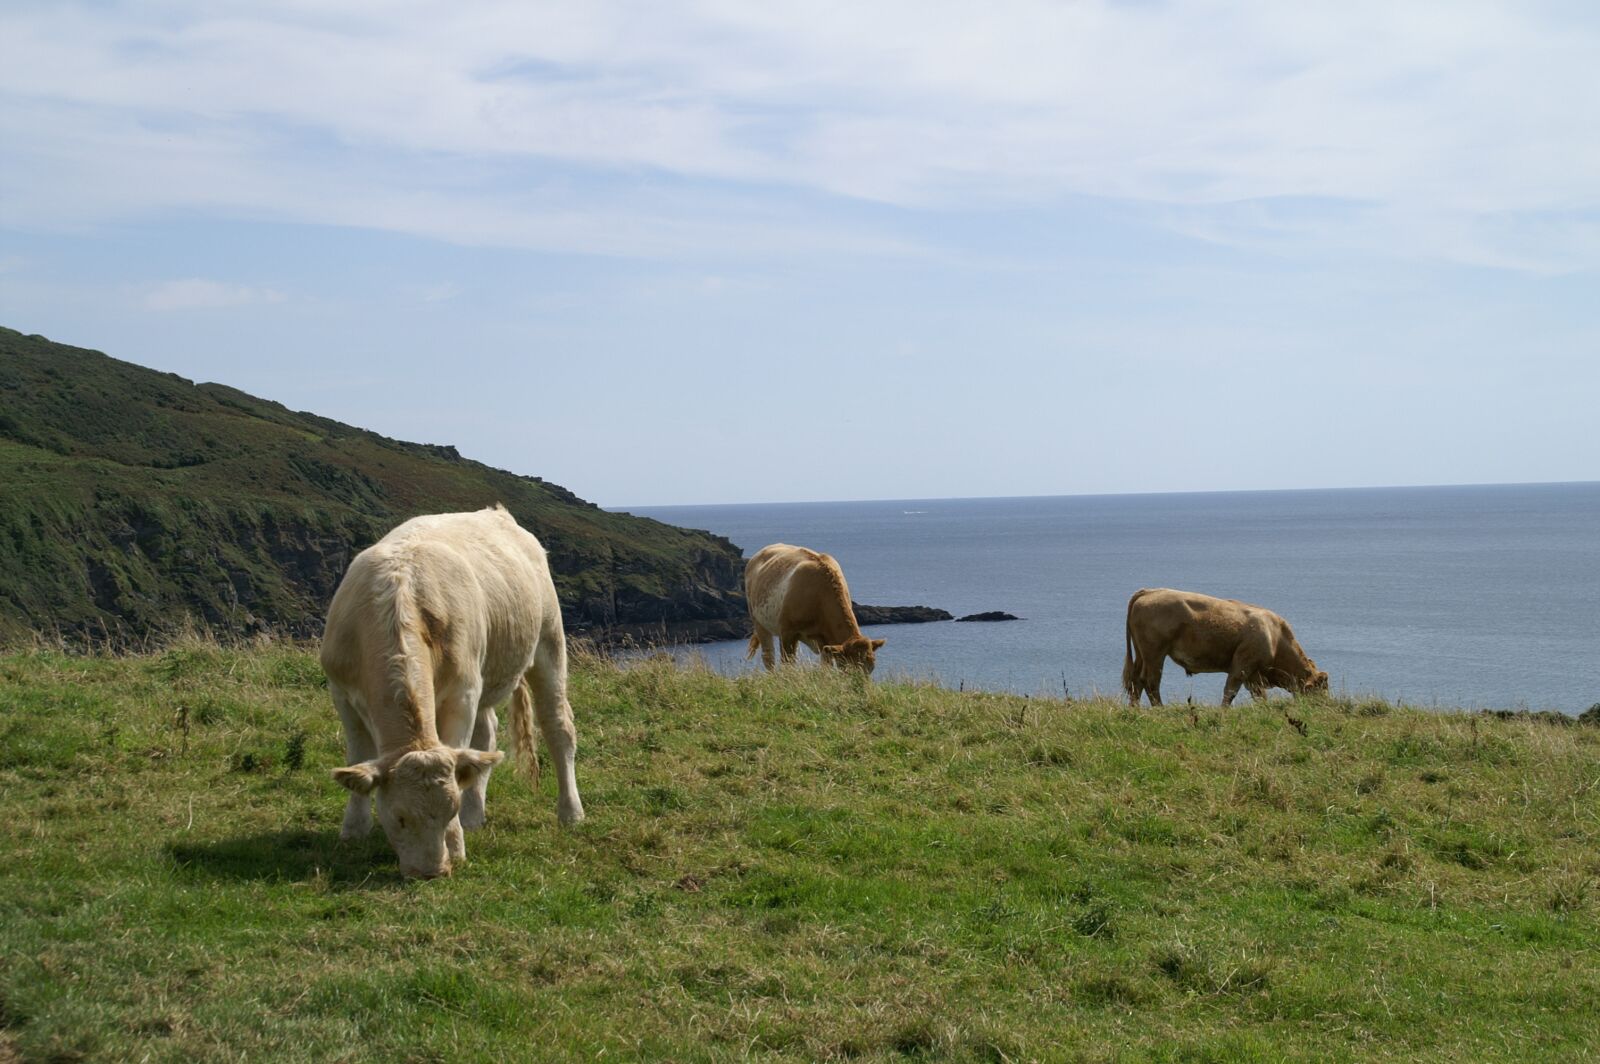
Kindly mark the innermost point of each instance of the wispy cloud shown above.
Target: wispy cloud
(442, 292)
(198, 294)
(515, 123)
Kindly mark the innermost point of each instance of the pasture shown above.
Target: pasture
(795, 866)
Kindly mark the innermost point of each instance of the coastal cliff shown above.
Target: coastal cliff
(134, 503)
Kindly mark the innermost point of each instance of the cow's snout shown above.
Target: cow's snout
(426, 873)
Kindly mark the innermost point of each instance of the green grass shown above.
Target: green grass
(797, 866)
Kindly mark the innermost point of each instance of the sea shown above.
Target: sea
(1485, 596)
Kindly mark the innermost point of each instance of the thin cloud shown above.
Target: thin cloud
(244, 170)
(199, 294)
(1473, 116)
(439, 293)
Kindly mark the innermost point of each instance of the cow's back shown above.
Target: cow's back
(476, 588)
(1200, 632)
(796, 589)
(770, 580)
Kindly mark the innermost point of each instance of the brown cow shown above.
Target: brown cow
(801, 597)
(1254, 646)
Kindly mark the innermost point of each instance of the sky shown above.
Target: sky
(672, 253)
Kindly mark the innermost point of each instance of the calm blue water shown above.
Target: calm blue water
(1453, 596)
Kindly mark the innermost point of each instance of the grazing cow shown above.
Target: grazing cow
(433, 626)
(801, 597)
(1254, 646)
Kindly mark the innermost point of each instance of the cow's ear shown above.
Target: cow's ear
(877, 644)
(472, 763)
(361, 778)
(836, 648)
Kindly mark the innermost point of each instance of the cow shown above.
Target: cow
(800, 596)
(432, 627)
(1253, 645)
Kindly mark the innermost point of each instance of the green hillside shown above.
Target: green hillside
(133, 502)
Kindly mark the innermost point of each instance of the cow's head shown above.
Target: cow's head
(419, 797)
(1300, 681)
(858, 652)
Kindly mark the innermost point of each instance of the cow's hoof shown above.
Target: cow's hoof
(569, 815)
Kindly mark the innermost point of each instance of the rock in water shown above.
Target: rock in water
(898, 614)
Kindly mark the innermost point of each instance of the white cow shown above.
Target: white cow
(433, 626)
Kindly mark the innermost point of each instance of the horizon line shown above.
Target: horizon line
(1108, 494)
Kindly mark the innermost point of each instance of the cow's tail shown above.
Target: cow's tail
(1130, 670)
(411, 660)
(524, 745)
(755, 645)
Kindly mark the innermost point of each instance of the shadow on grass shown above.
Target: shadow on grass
(291, 855)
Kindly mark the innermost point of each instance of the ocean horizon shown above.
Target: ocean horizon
(1477, 596)
(649, 510)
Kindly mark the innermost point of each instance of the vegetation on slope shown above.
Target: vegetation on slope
(795, 866)
(133, 501)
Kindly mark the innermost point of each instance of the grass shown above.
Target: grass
(797, 866)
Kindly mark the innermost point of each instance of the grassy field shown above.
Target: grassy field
(796, 866)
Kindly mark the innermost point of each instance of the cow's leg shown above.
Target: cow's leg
(1245, 671)
(1151, 680)
(484, 735)
(1231, 688)
(548, 682)
(455, 841)
(1241, 675)
(764, 637)
(787, 648)
(456, 717)
(358, 747)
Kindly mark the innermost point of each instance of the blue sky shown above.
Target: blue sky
(718, 252)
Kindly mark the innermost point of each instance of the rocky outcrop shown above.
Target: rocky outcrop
(992, 615)
(663, 635)
(712, 629)
(866, 615)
